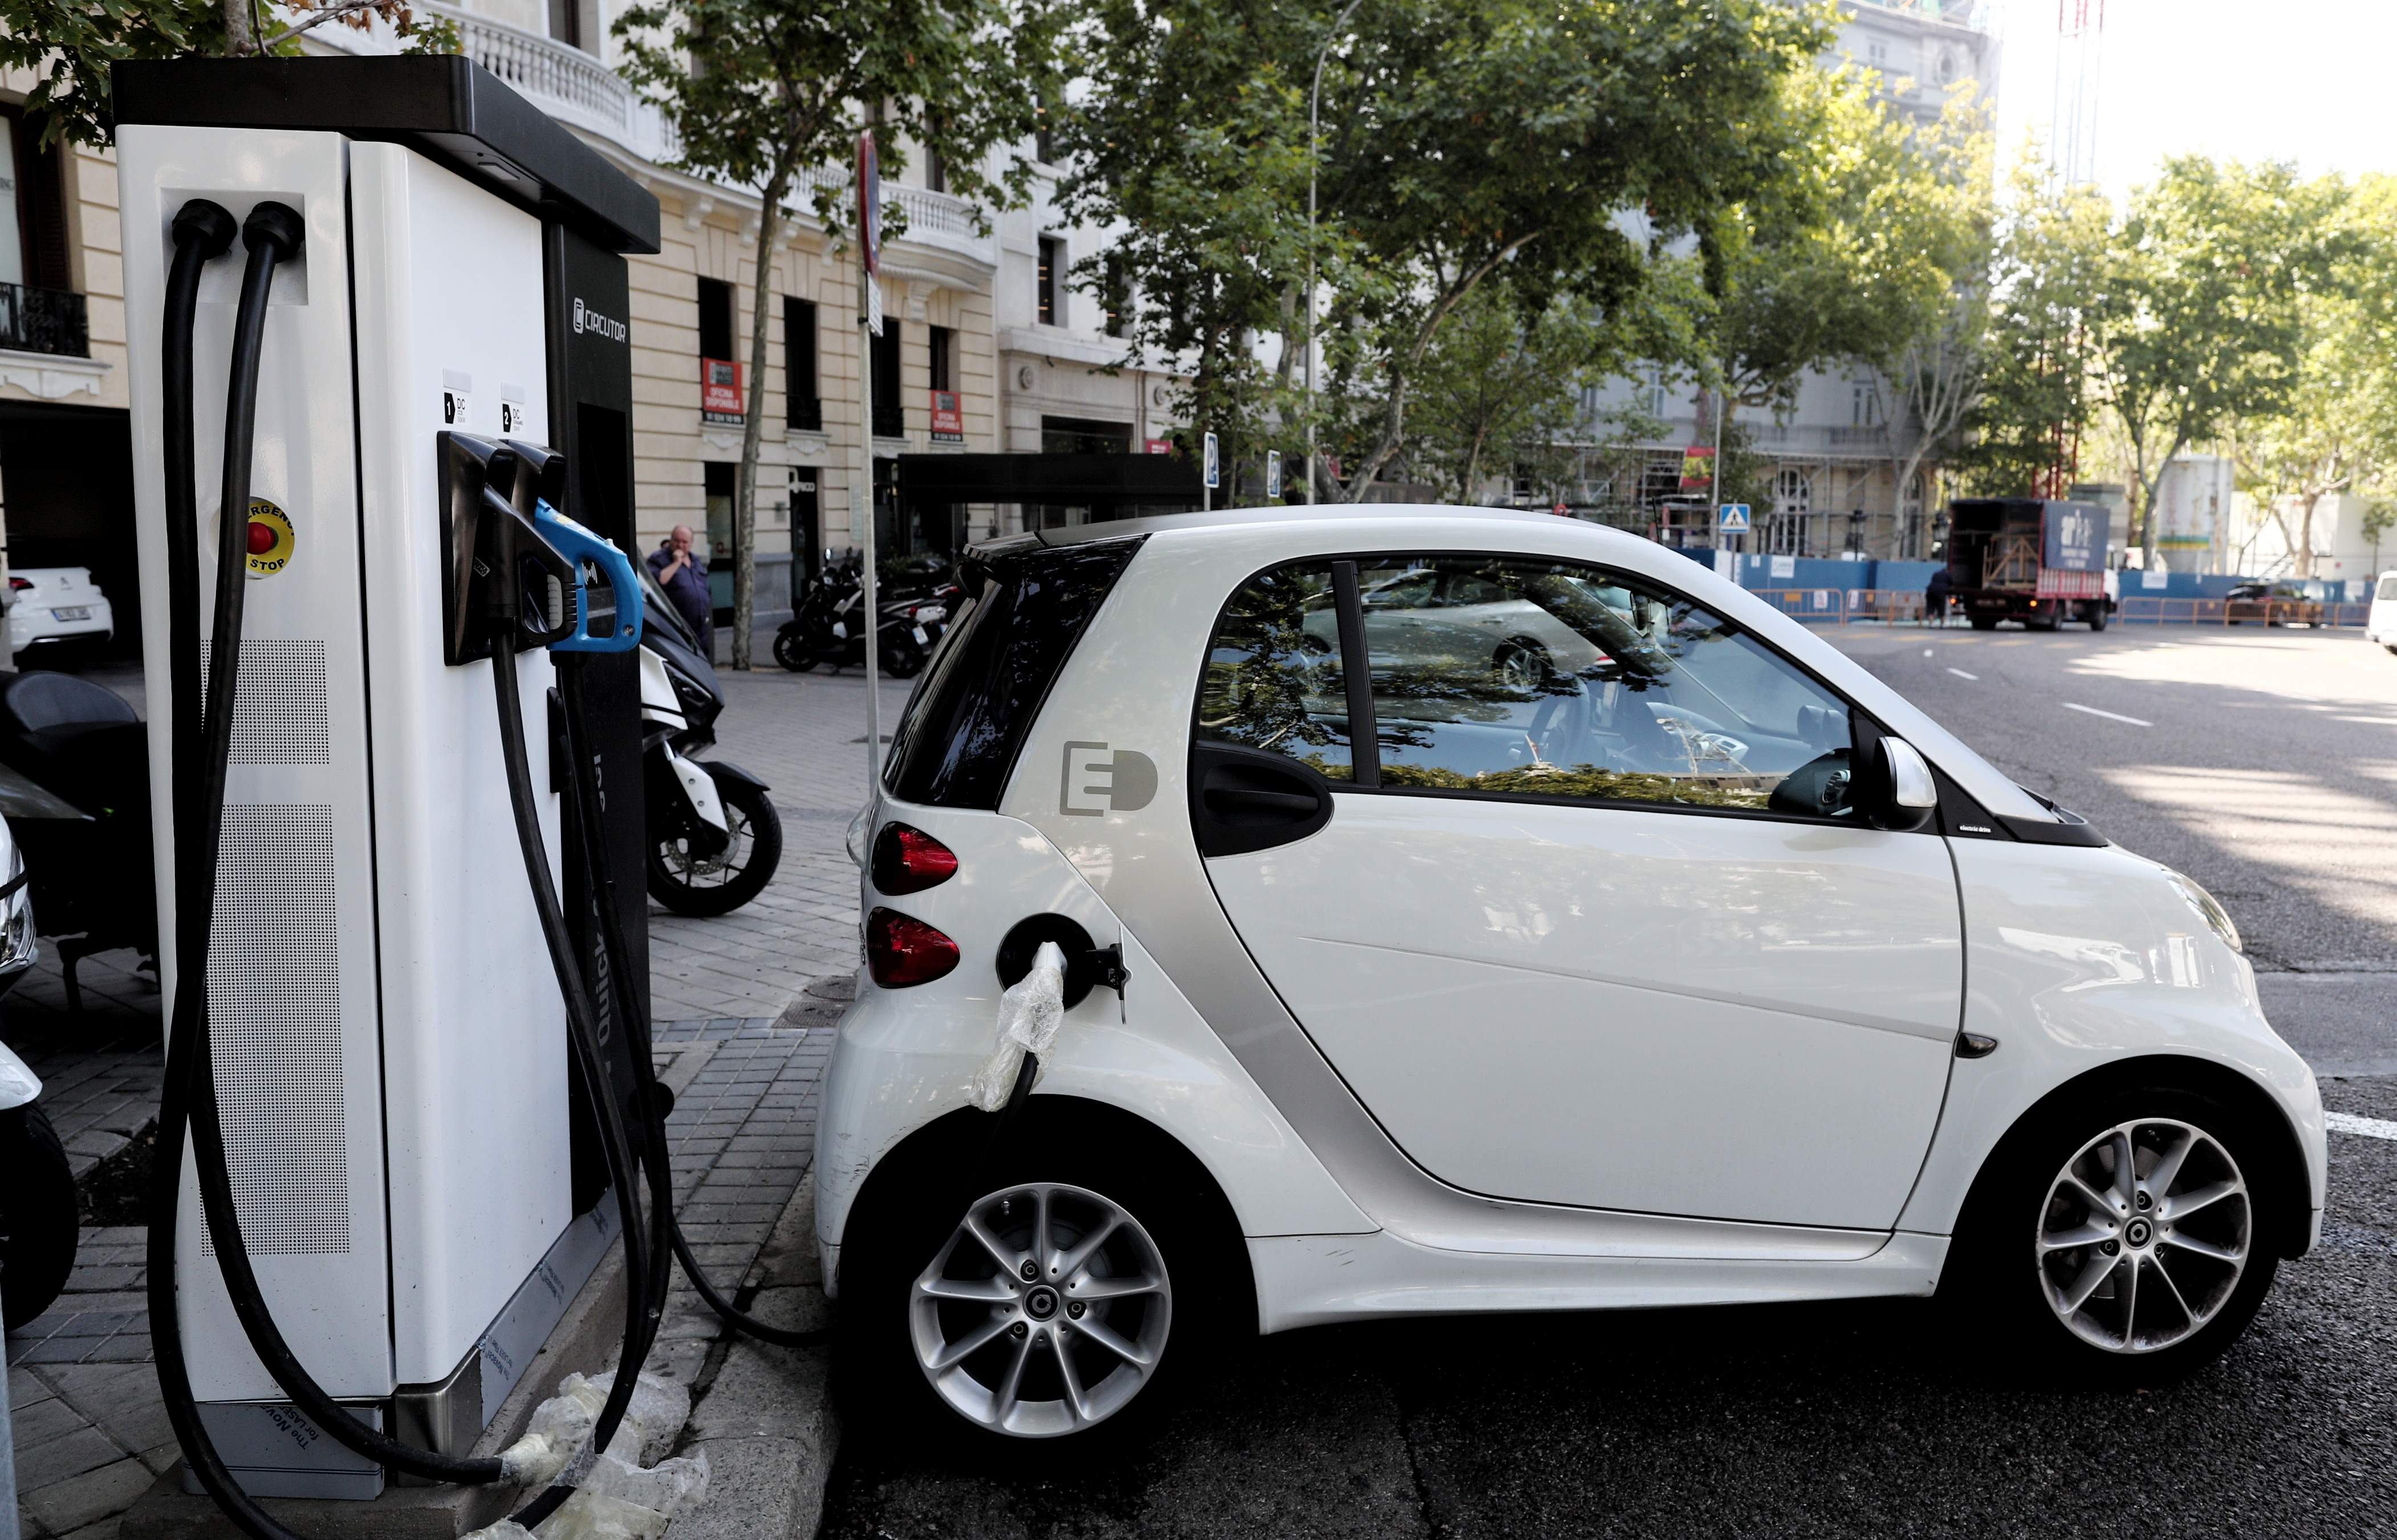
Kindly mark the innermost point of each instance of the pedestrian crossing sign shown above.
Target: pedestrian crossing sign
(1730, 519)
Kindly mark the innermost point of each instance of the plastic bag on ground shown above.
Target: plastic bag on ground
(584, 1516)
(1029, 1014)
(558, 1440)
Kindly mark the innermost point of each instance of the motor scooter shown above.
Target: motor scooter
(38, 1207)
(826, 627)
(714, 841)
(76, 796)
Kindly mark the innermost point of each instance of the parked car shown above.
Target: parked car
(2282, 603)
(49, 607)
(2381, 620)
(1430, 993)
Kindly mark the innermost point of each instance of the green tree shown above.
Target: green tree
(2049, 271)
(1499, 392)
(69, 46)
(2336, 430)
(769, 97)
(2197, 324)
(1510, 135)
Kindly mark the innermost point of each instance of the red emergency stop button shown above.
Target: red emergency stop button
(269, 539)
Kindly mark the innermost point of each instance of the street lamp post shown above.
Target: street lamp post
(1314, 160)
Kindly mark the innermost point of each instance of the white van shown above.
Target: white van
(2380, 625)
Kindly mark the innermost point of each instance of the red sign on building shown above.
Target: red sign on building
(1157, 446)
(948, 419)
(720, 391)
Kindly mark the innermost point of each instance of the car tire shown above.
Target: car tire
(1523, 665)
(896, 1331)
(38, 1214)
(672, 873)
(2073, 1314)
(2098, 618)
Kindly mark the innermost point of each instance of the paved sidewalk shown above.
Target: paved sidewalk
(744, 1007)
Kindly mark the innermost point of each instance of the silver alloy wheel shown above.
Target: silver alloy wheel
(1522, 668)
(1045, 1312)
(2144, 1236)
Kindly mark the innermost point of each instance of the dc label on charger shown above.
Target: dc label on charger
(270, 539)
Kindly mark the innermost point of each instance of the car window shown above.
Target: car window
(1571, 681)
(2388, 589)
(1273, 678)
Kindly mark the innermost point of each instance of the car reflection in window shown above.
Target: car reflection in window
(1519, 677)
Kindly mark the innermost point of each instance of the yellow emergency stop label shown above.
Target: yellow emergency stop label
(270, 539)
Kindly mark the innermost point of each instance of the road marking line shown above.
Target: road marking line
(1961, 675)
(2371, 1128)
(2110, 716)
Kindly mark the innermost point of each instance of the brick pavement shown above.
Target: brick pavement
(743, 1006)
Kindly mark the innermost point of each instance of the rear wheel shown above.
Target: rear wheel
(902, 658)
(1065, 1303)
(2124, 1239)
(37, 1216)
(2099, 617)
(690, 883)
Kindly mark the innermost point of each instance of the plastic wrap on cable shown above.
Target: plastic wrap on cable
(1028, 1017)
(557, 1442)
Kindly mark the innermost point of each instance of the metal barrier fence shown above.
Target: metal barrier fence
(1907, 607)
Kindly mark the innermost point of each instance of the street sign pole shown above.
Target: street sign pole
(860, 501)
(1209, 472)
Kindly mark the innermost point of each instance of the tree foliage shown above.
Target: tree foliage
(771, 98)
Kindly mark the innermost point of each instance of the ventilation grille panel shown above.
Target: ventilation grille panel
(279, 710)
(274, 1003)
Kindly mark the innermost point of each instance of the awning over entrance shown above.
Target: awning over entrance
(1110, 486)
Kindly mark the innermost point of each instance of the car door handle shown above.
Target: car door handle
(1257, 799)
(1252, 800)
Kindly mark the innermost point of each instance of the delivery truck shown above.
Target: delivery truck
(2029, 559)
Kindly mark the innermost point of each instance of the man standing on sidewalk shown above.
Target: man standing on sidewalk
(683, 577)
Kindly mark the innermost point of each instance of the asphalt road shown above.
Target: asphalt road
(2264, 765)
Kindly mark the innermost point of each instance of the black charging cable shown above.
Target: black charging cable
(200, 751)
(600, 877)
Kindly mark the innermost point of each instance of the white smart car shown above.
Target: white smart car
(51, 605)
(2381, 620)
(1704, 969)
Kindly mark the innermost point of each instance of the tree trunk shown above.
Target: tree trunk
(2305, 551)
(1393, 412)
(241, 37)
(745, 505)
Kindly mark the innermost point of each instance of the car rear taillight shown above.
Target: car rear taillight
(908, 860)
(902, 950)
(18, 586)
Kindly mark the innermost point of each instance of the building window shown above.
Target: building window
(1793, 491)
(1863, 403)
(1877, 53)
(1651, 389)
(1044, 136)
(802, 407)
(890, 417)
(1052, 257)
(936, 173)
(38, 311)
(566, 21)
(941, 343)
(714, 319)
(1117, 298)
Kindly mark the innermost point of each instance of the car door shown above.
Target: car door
(1614, 942)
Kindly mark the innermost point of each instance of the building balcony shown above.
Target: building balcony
(1974, 14)
(43, 320)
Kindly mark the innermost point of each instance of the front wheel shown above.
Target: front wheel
(38, 1212)
(689, 883)
(793, 650)
(902, 658)
(2125, 1238)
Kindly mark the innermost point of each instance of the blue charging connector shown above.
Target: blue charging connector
(579, 545)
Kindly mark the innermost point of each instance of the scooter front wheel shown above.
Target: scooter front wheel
(794, 652)
(37, 1216)
(902, 659)
(705, 886)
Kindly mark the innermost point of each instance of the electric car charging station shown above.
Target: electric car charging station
(381, 395)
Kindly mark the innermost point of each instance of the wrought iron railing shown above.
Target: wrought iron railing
(43, 320)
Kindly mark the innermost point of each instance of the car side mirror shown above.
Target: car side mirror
(1898, 792)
